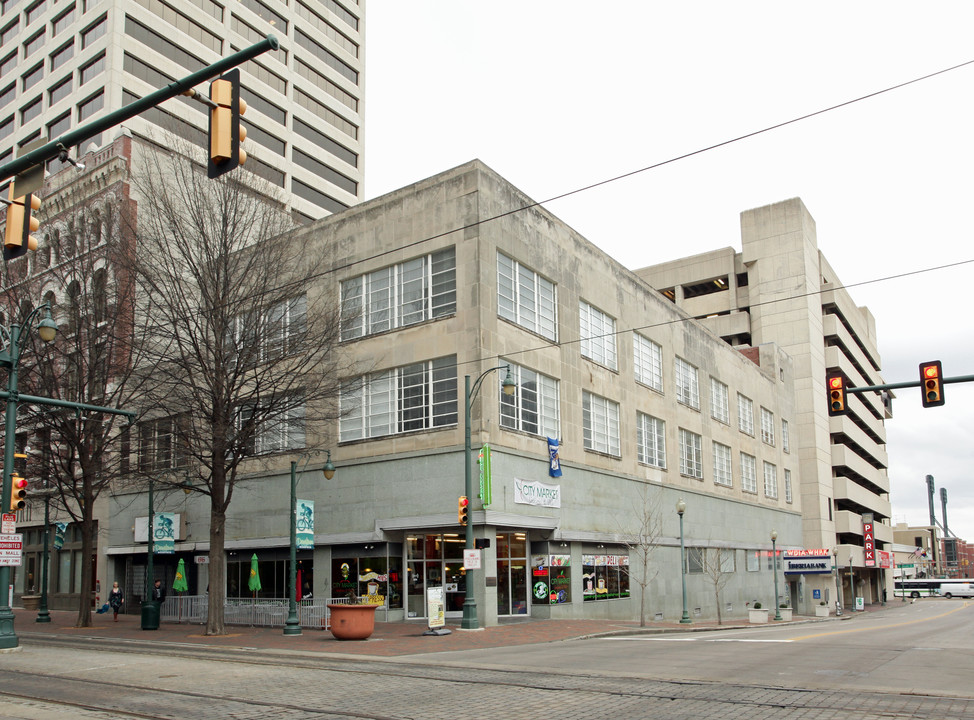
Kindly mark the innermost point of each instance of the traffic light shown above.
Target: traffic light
(17, 238)
(463, 505)
(836, 386)
(226, 132)
(18, 493)
(931, 384)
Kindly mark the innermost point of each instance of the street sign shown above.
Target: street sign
(9, 524)
(11, 549)
(471, 559)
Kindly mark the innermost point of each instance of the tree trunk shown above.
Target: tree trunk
(217, 575)
(87, 552)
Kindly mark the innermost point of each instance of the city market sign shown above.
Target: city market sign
(535, 493)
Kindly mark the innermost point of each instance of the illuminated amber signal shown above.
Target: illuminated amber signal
(836, 386)
(931, 384)
(463, 505)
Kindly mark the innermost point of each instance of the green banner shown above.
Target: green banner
(305, 524)
(484, 461)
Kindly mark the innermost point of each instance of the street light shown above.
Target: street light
(681, 507)
(292, 626)
(470, 621)
(774, 570)
(10, 358)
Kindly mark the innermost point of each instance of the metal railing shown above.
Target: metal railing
(260, 612)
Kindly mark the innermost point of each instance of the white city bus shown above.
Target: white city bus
(926, 587)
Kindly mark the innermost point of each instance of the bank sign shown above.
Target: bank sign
(808, 562)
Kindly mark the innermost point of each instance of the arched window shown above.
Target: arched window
(99, 291)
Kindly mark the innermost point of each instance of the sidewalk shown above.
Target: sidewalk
(388, 640)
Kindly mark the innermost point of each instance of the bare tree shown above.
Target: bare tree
(241, 339)
(78, 453)
(718, 565)
(642, 540)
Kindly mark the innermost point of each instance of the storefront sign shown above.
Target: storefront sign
(535, 493)
(304, 524)
(885, 559)
(808, 562)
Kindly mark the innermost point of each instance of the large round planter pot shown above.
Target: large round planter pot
(352, 622)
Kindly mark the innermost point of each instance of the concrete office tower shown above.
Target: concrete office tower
(64, 63)
(781, 289)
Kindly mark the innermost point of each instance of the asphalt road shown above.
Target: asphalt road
(912, 661)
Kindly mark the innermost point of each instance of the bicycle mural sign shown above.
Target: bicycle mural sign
(305, 524)
(164, 533)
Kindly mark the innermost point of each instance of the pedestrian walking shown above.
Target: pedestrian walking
(116, 599)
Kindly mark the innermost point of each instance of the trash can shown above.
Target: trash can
(150, 615)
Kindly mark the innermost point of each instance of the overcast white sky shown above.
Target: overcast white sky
(558, 94)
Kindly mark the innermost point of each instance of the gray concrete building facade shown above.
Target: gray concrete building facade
(780, 288)
(440, 280)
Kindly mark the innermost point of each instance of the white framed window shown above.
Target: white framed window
(162, 443)
(785, 437)
(282, 431)
(598, 334)
(767, 426)
(650, 440)
(647, 362)
(600, 424)
(745, 414)
(719, 401)
(526, 298)
(412, 397)
(722, 465)
(749, 480)
(770, 480)
(789, 495)
(753, 560)
(423, 288)
(687, 384)
(533, 407)
(285, 325)
(691, 454)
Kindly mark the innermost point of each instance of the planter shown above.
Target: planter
(757, 616)
(352, 622)
(31, 602)
(821, 611)
(785, 613)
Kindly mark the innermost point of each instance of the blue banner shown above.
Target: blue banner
(164, 534)
(554, 464)
(59, 528)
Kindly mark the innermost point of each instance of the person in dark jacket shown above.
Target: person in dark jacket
(158, 592)
(116, 599)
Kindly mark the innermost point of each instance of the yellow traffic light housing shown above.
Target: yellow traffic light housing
(463, 505)
(17, 238)
(836, 389)
(931, 384)
(226, 132)
(18, 493)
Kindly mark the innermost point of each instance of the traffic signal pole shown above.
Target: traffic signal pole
(909, 384)
(55, 147)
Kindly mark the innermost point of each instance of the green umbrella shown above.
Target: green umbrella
(254, 582)
(179, 584)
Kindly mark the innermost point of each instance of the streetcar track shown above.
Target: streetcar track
(629, 687)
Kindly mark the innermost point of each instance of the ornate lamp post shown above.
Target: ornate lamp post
(470, 620)
(681, 507)
(774, 569)
(292, 626)
(10, 358)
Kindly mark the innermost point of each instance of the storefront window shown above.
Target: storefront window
(605, 577)
(376, 579)
(551, 578)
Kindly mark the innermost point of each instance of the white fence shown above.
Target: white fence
(266, 612)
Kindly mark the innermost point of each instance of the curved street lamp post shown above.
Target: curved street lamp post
(470, 620)
(681, 507)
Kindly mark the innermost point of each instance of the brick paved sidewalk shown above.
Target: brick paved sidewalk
(389, 639)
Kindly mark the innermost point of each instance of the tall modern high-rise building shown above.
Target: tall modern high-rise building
(64, 63)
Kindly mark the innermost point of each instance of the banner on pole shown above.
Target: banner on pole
(305, 524)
